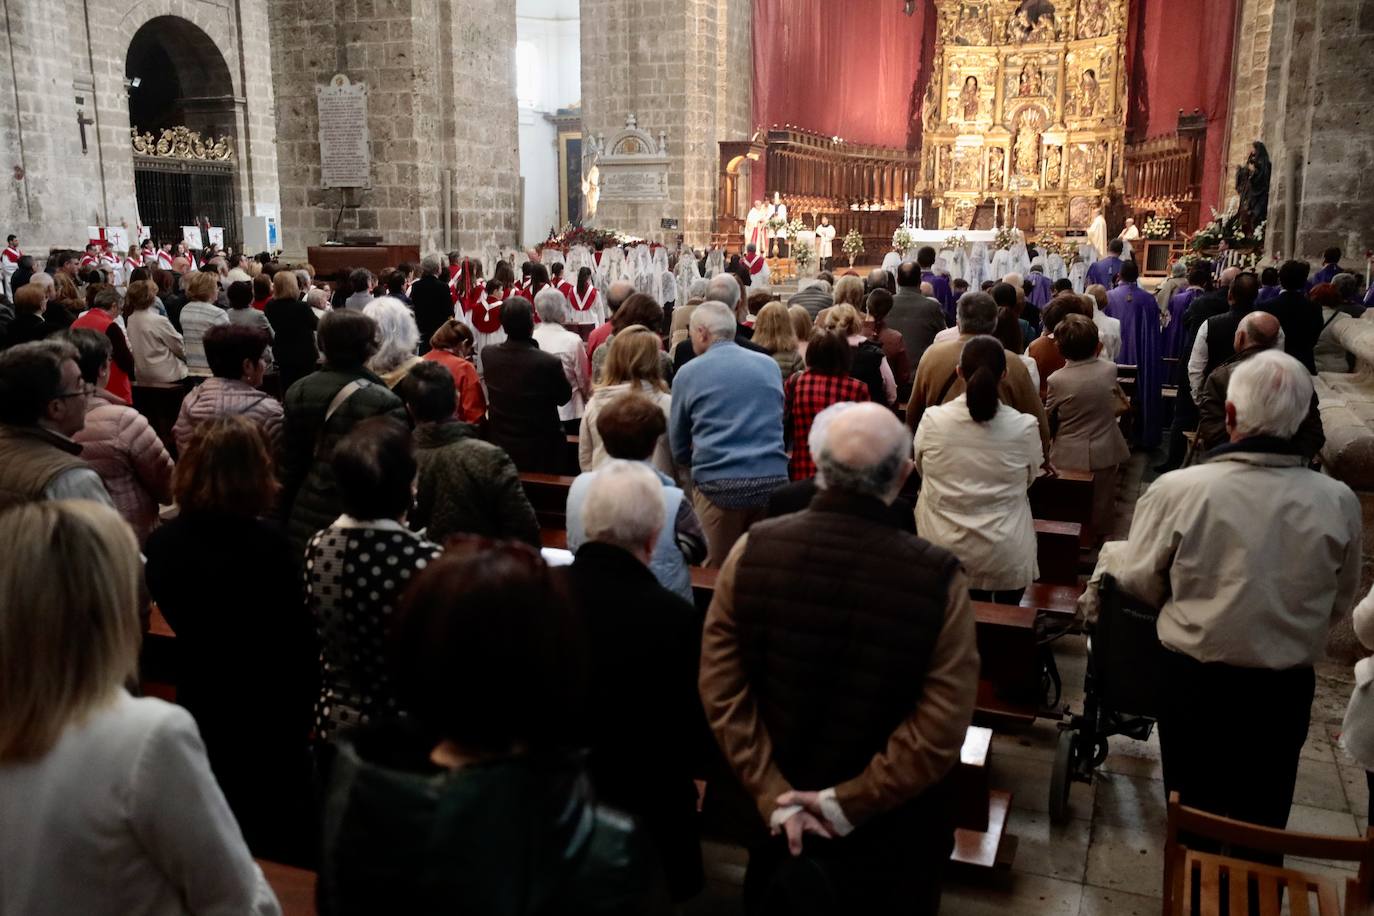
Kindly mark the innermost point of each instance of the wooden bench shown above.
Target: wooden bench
(548, 494)
(1065, 498)
(980, 811)
(1057, 545)
(294, 887)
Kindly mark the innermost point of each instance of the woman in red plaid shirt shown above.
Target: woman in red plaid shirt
(825, 381)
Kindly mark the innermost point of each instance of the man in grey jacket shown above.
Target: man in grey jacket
(1251, 558)
(917, 317)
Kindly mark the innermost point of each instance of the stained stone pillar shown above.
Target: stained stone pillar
(680, 66)
(441, 97)
(1303, 69)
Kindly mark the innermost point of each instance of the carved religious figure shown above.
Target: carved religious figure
(1087, 94)
(1100, 165)
(968, 98)
(1054, 166)
(1252, 186)
(996, 167)
(946, 167)
(965, 168)
(1026, 160)
(1033, 20)
(1080, 165)
(1023, 82)
(974, 26)
(1092, 18)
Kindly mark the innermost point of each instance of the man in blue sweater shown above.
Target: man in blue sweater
(726, 425)
(1105, 271)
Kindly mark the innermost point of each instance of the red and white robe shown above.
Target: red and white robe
(9, 263)
(455, 283)
(88, 261)
(485, 319)
(588, 308)
(130, 265)
(164, 260)
(567, 289)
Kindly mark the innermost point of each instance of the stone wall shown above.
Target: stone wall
(441, 97)
(1306, 97)
(52, 55)
(681, 67)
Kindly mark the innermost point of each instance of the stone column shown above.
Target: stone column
(441, 87)
(682, 67)
(1302, 68)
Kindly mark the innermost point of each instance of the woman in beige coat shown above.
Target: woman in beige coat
(977, 458)
(1083, 401)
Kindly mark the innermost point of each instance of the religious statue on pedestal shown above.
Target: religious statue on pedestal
(1026, 159)
(996, 168)
(1054, 166)
(1092, 18)
(968, 98)
(1252, 186)
(1087, 94)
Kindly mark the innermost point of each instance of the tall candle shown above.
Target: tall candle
(921, 213)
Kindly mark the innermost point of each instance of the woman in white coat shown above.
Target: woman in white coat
(1357, 732)
(977, 458)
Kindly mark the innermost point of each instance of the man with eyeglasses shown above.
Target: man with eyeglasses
(42, 405)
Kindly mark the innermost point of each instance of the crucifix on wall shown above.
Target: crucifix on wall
(81, 122)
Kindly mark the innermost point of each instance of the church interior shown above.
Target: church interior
(348, 346)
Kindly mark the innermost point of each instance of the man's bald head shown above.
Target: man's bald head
(620, 291)
(927, 290)
(861, 449)
(1228, 276)
(877, 279)
(1257, 331)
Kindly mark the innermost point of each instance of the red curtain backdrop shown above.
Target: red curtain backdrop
(859, 69)
(1178, 55)
(851, 69)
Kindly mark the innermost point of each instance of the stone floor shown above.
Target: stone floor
(1107, 860)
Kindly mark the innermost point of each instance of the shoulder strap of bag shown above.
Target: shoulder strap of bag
(953, 377)
(342, 396)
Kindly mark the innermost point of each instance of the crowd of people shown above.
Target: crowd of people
(382, 676)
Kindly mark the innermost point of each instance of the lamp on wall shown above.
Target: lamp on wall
(909, 7)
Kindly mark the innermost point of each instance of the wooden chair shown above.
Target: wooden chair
(1186, 870)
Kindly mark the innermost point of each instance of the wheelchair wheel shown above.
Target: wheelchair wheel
(1061, 777)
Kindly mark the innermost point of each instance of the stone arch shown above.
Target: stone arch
(184, 78)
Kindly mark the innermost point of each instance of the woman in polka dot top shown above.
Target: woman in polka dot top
(356, 571)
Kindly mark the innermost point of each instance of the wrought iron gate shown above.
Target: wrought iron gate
(180, 192)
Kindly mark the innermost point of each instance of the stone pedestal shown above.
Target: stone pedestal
(441, 87)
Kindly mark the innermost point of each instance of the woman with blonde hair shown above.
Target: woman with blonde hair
(773, 331)
(632, 365)
(397, 336)
(112, 796)
(870, 365)
(801, 326)
(849, 290)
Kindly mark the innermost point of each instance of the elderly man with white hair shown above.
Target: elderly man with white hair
(839, 670)
(552, 308)
(643, 717)
(725, 290)
(697, 293)
(1250, 558)
(618, 292)
(726, 425)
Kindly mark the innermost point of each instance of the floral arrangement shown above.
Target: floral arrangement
(804, 255)
(1005, 238)
(853, 245)
(957, 241)
(571, 235)
(902, 239)
(1158, 227)
(776, 224)
(1225, 231)
(794, 228)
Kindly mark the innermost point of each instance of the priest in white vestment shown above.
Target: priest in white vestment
(1097, 232)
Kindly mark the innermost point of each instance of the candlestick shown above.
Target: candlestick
(921, 213)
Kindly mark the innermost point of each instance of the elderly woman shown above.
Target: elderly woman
(293, 328)
(553, 337)
(451, 347)
(849, 290)
(112, 795)
(397, 338)
(977, 458)
(869, 366)
(356, 570)
(198, 315)
(118, 442)
(159, 359)
(632, 366)
(773, 332)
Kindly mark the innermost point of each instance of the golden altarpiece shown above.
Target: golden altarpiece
(1026, 111)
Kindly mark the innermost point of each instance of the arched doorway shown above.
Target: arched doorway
(181, 105)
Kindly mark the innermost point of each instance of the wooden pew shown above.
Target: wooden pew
(294, 887)
(548, 494)
(1057, 551)
(1065, 498)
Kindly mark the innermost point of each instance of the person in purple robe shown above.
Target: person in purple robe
(1269, 285)
(1142, 347)
(1105, 271)
(925, 259)
(1042, 289)
(1331, 265)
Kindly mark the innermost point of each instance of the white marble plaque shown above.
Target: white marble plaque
(639, 182)
(345, 160)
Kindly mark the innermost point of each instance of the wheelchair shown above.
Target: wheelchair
(1121, 691)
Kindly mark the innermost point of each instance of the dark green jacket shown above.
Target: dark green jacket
(468, 486)
(510, 837)
(308, 498)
